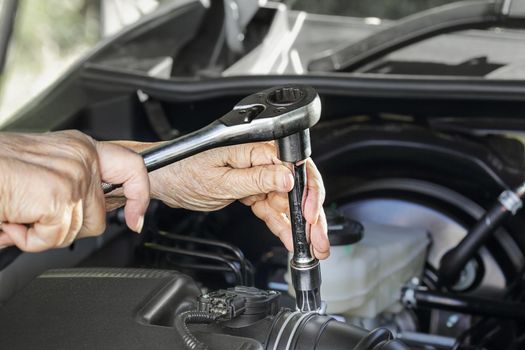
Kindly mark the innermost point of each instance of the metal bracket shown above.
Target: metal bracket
(237, 15)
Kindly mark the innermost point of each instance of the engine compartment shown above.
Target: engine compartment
(415, 160)
(387, 163)
(165, 310)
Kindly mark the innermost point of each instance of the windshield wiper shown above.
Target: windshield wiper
(439, 20)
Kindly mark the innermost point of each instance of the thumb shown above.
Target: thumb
(120, 165)
(259, 179)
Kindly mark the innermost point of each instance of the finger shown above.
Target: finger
(80, 175)
(277, 222)
(250, 200)
(319, 238)
(315, 193)
(259, 179)
(16, 234)
(45, 234)
(122, 166)
(5, 240)
(279, 202)
(94, 220)
(251, 154)
(75, 225)
(54, 207)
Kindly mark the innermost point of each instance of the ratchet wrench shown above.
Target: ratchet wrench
(267, 115)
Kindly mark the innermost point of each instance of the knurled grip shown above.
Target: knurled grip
(302, 253)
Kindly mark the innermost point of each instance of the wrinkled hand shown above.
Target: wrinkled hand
(50, 188)
(251, 173)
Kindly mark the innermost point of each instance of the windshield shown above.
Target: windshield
(405, 37)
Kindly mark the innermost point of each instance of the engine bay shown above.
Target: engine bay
(394, 209)
(411, 167)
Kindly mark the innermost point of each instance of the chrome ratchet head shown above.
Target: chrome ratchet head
(273, 114)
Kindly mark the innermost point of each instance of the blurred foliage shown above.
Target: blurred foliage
(49, 35)
(389, 9)
(53, 25)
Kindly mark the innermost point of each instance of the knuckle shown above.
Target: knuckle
(78, 172)
(84, 145)
(87, 153)
(255, 180)
(80, 136)
(59, 187)
(71, 133)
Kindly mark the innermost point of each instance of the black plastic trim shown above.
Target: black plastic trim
(369, 85)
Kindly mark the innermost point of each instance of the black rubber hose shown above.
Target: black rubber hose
(426, 299)
(245, 269)
(454, 261)
(235, 269)
(181, 326)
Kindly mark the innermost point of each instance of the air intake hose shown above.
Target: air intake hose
(311, 331)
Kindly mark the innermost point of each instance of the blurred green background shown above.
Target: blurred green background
(50, 35)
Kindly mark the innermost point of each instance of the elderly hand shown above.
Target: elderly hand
(251, 173)
(50, 188)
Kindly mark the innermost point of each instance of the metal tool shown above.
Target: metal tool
(263, 116)
(304, 267)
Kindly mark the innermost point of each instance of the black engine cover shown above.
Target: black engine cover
(98, 309)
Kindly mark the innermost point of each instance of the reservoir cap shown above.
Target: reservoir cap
(341, 229)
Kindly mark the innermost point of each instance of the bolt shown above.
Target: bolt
(414, 281)
(452, 321)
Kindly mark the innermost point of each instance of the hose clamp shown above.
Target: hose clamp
(511, 201)
(408, 298)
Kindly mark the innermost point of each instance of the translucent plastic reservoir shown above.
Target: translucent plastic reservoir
(365, 279)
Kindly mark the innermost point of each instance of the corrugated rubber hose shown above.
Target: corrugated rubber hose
(196, 317)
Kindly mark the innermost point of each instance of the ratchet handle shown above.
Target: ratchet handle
(271, 114)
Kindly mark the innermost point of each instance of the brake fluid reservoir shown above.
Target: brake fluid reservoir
(365, 278)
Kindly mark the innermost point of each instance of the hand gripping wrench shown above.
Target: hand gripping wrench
(284, 114)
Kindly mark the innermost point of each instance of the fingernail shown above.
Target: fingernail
(140, 224)
(287, 182)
